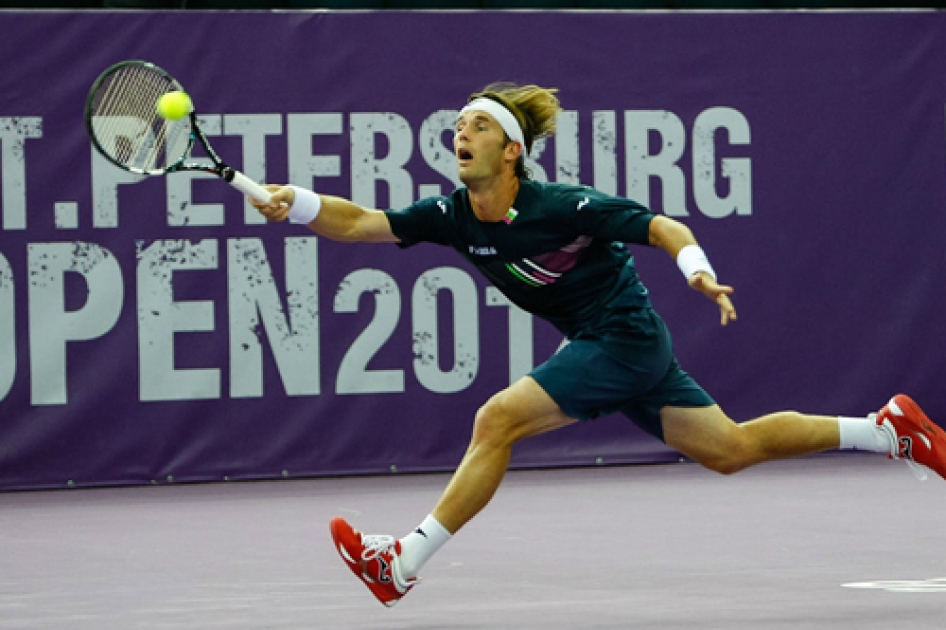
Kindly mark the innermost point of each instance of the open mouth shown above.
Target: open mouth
(464, 155)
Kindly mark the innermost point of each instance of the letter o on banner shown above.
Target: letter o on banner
(426, 334)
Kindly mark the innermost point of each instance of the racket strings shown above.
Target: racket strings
(126, 123)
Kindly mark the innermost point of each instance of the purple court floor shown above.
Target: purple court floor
(665, 546)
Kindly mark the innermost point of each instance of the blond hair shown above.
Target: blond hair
(534, 107)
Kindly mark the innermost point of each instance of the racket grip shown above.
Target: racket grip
(247, 186)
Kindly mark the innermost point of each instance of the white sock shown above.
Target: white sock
(420, 545)
(863, 434)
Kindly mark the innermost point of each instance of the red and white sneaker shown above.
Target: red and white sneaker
(915, 437)
(374, 560)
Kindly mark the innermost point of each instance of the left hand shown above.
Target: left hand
(719, 293)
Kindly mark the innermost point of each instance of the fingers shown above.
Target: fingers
(277, 208)
(719, 293)
(727, 312)
(705, 283)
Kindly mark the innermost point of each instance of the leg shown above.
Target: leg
(520, 411)
(711, 438)
(389, 567)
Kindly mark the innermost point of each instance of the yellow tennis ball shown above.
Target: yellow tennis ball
(174, 105)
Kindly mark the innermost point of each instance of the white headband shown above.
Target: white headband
(502, 115)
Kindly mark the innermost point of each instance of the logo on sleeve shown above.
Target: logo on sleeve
(442, 205)
(584, 202)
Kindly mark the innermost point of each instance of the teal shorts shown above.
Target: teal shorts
(626, 368)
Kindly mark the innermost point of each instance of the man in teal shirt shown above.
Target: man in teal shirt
(558, 252)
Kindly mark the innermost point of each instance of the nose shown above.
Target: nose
(459, 134)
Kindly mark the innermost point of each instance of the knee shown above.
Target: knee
(725, 465)
(493, 423)
(735, 453)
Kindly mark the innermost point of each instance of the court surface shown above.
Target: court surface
(664, 546)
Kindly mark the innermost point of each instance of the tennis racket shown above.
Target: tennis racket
(125, 127)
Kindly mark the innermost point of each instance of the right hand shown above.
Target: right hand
(278, 207)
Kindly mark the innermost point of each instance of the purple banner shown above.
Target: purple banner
(155, 331)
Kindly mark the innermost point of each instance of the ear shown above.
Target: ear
(513, 150)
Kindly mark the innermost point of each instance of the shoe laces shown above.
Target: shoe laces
(375, 545)
(918, 470)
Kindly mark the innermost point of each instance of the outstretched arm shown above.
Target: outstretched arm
(334, 217)
(678, 241)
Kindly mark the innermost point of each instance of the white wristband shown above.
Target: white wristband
(691, 260)
(305, 207)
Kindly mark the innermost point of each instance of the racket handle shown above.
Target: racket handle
(246, 185)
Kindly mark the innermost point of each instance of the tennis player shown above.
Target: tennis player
(558, 251)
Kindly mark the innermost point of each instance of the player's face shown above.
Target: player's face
(480, 147)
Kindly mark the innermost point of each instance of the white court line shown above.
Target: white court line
(932, 585)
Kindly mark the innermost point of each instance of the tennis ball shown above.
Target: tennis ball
(174, 105)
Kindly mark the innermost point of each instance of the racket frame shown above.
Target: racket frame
(196, 135)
